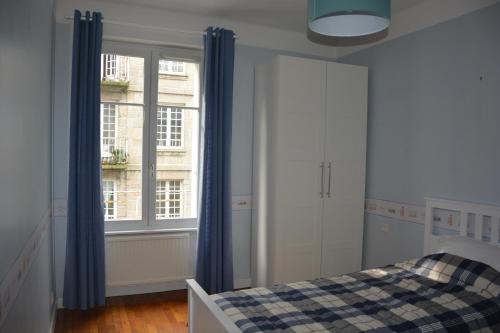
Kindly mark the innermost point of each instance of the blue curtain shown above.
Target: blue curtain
(214, 263)
(84, 279)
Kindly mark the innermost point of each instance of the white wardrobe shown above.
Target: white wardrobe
(309, 169)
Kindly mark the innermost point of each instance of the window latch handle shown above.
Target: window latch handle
(322, 189)
(329, 192)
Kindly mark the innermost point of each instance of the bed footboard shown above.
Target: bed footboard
(204, 315)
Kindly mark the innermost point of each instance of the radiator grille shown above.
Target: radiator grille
(135, 260)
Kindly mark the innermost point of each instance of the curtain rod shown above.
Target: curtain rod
(135, 25)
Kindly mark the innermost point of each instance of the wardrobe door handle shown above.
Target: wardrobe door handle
(329, 193)
(322, 167)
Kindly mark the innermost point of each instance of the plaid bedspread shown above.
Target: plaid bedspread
(438, 293)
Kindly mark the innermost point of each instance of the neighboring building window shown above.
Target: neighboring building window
(109, 65)
(172, 67)
(114, 67)
(168, 199)
(109, 195)
(108, 129)
(169, 127)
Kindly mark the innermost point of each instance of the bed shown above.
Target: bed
(454, 287)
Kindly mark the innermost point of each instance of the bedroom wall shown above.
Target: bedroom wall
(255, 44)
(433, 121)
(386, 157)
(62, 98)
(242, 146)
(26, 279)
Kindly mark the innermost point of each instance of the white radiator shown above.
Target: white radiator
(148, 259)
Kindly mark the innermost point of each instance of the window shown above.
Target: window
(108, 129)
(122, 137)
(169, 127)
(149, 136)
(109, 65)
(114, 67)
(171, 67)
(168, 199)
(109, 194)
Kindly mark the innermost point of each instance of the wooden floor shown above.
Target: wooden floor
(151, 313)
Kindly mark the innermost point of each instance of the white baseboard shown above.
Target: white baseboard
(138, 289)
(155, 288)
(145, 288)
(160, 287)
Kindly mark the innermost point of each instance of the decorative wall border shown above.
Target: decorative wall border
(396, 210)
(13, 281)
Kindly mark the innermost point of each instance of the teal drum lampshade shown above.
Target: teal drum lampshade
(349, 18)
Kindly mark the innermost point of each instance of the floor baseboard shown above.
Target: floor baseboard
(155, 288)
(145, 288)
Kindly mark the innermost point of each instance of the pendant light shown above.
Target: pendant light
(349, 18)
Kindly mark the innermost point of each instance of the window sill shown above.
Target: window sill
(147, 232)
(173, 76)
(117, 166)
(170, 151)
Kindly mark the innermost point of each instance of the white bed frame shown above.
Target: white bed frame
(464, 244)
(206, 317)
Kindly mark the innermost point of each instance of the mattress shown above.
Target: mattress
(437, 293)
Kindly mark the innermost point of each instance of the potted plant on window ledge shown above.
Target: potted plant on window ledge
(117, 160)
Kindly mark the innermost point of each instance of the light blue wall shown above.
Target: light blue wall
(402, 240)
(32, 311)
(428, 115)
(62, 96)
(433, 124)
(25, 153)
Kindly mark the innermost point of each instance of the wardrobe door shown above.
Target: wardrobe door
(299, 154)
(345, 157)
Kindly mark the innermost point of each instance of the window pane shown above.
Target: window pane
(109, 194)
(122, 78)
(178, 83)
(169, 199)
(176, 139)
(121, 156)
(169, 127)
(172, 67)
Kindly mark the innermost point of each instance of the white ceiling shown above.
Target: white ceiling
(282, 14)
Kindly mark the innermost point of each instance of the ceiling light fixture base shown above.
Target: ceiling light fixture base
(348, 18)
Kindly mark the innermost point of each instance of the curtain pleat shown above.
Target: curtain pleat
(214, 263)
(84, 276)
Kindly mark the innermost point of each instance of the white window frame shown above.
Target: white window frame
(108, 65)
(168, 132)
(170, 67)
(114, 193)
(105, 153)
(152, 55)
(118, 71)
(164, 187)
